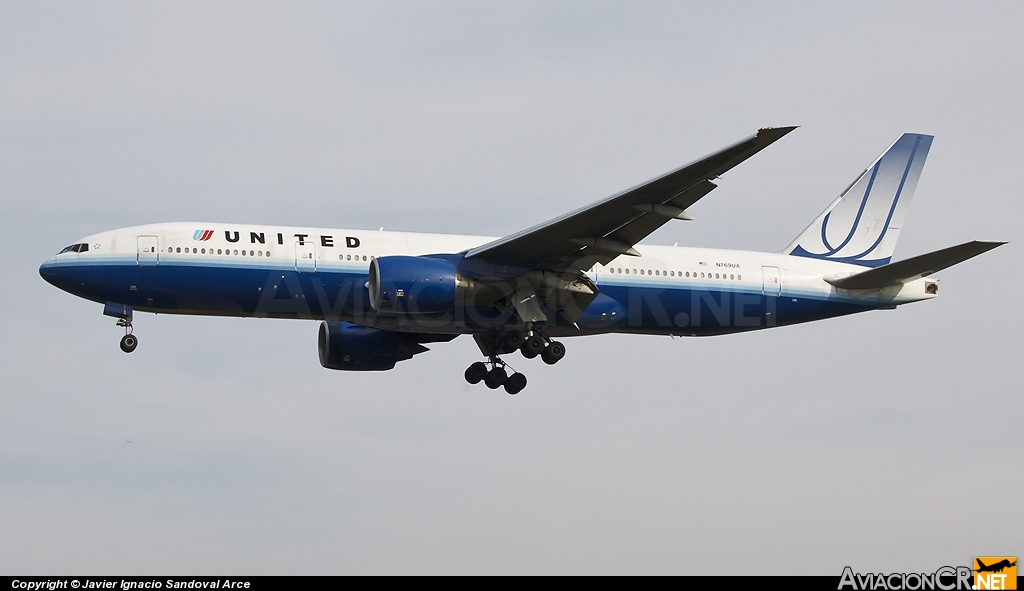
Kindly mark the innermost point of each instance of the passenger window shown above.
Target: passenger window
(236, 253)
(739, 277)
(178, 249)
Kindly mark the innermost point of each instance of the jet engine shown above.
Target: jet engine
(352, 347)
(416, 285)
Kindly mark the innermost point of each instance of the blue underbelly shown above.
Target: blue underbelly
(282, 292)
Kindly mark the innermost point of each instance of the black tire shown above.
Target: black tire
(515, 384)
(512, 341)
(476, 373)
(496, 378)
(533, 347)
(128, 343)
(553, 353)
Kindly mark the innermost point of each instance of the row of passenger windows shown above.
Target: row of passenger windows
(349, 257)
(659, 273)
(227, 251)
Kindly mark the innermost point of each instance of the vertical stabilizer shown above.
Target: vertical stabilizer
(863, 224)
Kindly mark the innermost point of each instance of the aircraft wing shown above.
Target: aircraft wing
(611, 227)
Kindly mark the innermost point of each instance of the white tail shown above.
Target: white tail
(863, 224)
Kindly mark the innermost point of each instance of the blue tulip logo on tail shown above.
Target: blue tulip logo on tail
(202, 235)
(863, 224)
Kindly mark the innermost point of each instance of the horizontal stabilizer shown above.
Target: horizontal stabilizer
(914, 268)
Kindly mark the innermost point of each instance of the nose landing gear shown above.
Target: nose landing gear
(123, 313)
(128, 341)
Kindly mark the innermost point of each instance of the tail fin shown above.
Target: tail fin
(862, 225)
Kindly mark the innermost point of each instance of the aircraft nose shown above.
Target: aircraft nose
(48, 271)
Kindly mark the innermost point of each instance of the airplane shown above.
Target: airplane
(382, 296)
(994, 568)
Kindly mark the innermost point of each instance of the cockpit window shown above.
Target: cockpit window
(75, 248)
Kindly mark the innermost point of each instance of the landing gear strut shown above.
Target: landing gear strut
(494, 372)
(129, 341)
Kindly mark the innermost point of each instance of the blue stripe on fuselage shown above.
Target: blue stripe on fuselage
(276, 290)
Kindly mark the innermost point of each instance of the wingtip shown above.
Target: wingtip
(775, 133)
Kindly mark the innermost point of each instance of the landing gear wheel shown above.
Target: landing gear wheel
(128, 343)
(533, 346)
(496, 377)
(512, 341)
(476, 373)
(553, 353)
(515, 384)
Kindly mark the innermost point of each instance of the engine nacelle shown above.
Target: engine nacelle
(415, 285)
(347, 346)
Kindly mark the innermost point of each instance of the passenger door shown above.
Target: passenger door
(772, 285)
(149, 251)
(305, 257)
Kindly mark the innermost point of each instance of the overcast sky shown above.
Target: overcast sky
(887, 441)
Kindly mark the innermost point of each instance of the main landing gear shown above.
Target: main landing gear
(530, 344)
(129, 341)
(495, 377)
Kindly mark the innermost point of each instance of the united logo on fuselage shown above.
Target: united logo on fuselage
(202, 235)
